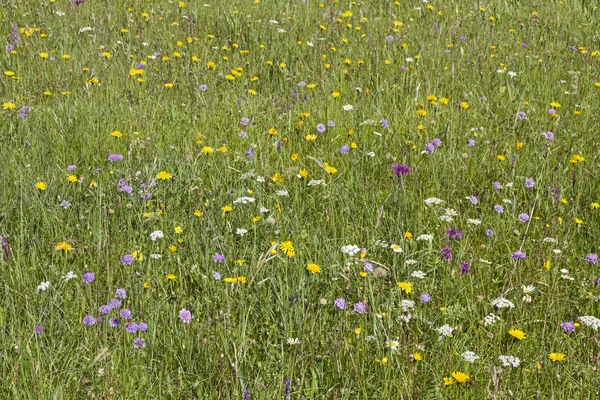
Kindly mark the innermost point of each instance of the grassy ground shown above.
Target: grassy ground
(262, 137)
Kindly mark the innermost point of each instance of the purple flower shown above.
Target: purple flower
(523, 44)
(436, 142)
(465, 267)
(567, 327)
(9, 47)
(473, 200)
(203, 88)
(249, 153)
(301, 84)
(497, 185)
(104, 309)
(345, 149)
(498, 208)
(367, 267)
(425, 298)
(89, 320)
(330, 123)
(592, 258)
(521, 115)
(114, 322)
(243, 135)
(71, 167)
(244, 121)
(384, 122)
(88, 277)
(114, 303)
(447, 51)
(131, 327)
(121, 293)
(552, 111)
(389, 38)
(429, 148)
(217, 276)
(523, 217)
(142, 327)
(65, 204)
(340, 303)
(470, 143)
(360, 307)
(321, 128)
(139, 343)
(489, 232)
(125, 313)
(126, 189)
(115, 157)
(185, 315)
(446, 254)
(39, 329)
(127, 259)
(246, 393)
(218, 257)
(454, 234)
(400, 170)
(529, 182)
(548, 135)
(518, 255)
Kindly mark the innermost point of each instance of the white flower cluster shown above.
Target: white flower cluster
(244, 200)
(68, 276)
(418, 274)
(43, 286)
(351, 250)
(501, 302)
(156, 235)
(407, 305)
(469, 356)
(282, 193)
(316, 182)
(590, 321)
(509, 361)
(433, 200)
(425, 237)
(444, 331)
(490, 319)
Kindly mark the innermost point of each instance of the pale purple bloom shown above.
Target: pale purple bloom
(114, 322)
(518, 255)
(142, 327)
(473, 200)
(523, 217)
(71, 167)
(567, 327)
(244, 121)
(88, 277)
(203, 88)
(429, 148)
(471, 143)
(330, 123)
(121, 293)
(65, 204)
(367, 267)
(321, 128)
(115, 157)
(104, 309)
(340, 303)
(218, 257)
(345, 149)
(127, 189)
(114, 303)
(139, 343)
(125, 313)
(425, 298)
(592, 258)
(549, 135)
(217, 276)
(39, 329)
(447, 51)
(127, 259)
(489, 232)
(301, 84)
(243, 135)
(529, 182)
(185, 315)
(552, 111)
(384, 122)
(521, 115)
(498, 208)
(436, 142)
(497, 185)
(249, 153)
(89, 320)
(389, 38)
(131, 327)
(360, 307)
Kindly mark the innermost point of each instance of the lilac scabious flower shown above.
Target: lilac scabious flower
(345, 149)
(384, 122)
(454, 234)
(104, 309)
(529, 183)
(340, 303)
(470, 142)
(131, 327)
(518, 255)
(592, 258)
(429, 148)
(89, 320)
(114, 303)
(121, 293)
(498, 208)
(127, 259)
(551, 111)
(330, 123)
(465, 268)
(436, 142)
(567, 327)
(125, 313)
(521, 115)
(39, 329)
(218, 257)
(249, 153)
(389, 38)
(139, 343)
(71, 167)
(88, 277)
(489, 232)
(203, 88)
(65, 204)
(126, 189)
(115, 157)
(301, 84)
(548, 135)
(367, 267)
(400, 170)
(244, 121)
(523, 217)
(142, 327)
(497, 185)
(185, 315)
(217, 276)
(446, 254)
(243, 135)
(360, 307)
(114, 322)
(425, 298)
(473, 200)
(321, 128)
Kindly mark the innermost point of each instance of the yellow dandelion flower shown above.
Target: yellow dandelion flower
(516, 333)
(40, 185)
(405, 286)
(164, 175)
(64, 246)
(557, 356)
(314, 268)
(227, 209)
(460, 377)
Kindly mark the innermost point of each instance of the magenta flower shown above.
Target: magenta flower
(518, 255)
(400, 170)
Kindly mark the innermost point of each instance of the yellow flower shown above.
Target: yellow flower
(596, 205)
(72, 178)
(286, 247)
(383, 361)
(444, 100)
(408, 235)
(417, 356)
(278, 178)
(578, 221)
(164, 175)
(405, 286)
(314, 268)
(294, 157)
(303, 173)
(464, 105)
(137, 255)
(517, 334)
(272, 131)
(460, 377)
(44, 55)
(240, 261)
(207, 150)
(448, 381)
(335, 95)
(40, 186)
(230, 280)
(147, 285)
(171, 277)
(173, 248)
(9, 73)
(64, 246)
(576, 158)
(556, 356)
(198, 213)
(241, 279)
(500, 157)
(168, 85)
(116, 134)
(421, 113)
(178, 229)
(227, 209)
(256, 219)
(330, 170)
(8, 106)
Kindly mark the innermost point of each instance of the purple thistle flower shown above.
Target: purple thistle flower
(340, 303)
(115, 157)
(360, 307)
(114, 322)
(104, 309)
(523, 217)
(127, 259)
(131, 327)
(400, 170)
(88, 277)
(185, 315)
(592, 258)
(39, 329)
(454, 234)
(125, 313)
(139, 343)
(218, 257)
(465, 267)
(518, 255)
(425, 298)
(89, 320)
(567, 327)
(446, 254)
(120, 293)
(529, 183)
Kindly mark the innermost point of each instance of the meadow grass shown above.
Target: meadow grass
(436, 161)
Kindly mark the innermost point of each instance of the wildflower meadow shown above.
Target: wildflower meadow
(269, 199)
